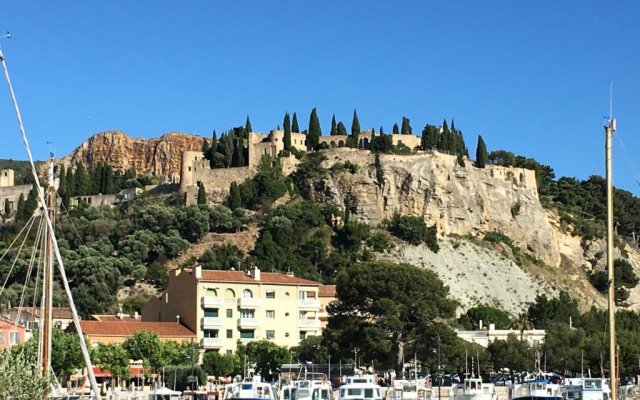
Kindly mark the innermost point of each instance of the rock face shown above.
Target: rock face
(158, 156)
(458, 200)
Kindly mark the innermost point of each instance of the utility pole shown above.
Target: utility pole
(608, 130)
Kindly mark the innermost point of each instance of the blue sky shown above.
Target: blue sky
(531, 77)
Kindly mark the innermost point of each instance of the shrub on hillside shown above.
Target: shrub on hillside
(413, 229)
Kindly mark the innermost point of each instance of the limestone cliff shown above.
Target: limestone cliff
(157, 156)
(459, 200)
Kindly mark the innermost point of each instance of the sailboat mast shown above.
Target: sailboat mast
(609, 129)
(47, 287)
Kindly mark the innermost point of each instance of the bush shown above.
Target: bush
(414, 230)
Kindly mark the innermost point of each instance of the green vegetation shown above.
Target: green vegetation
(414, 230)
(315, 131)
(19, 378)
(624, 279)
(488, 315)
(481, 153)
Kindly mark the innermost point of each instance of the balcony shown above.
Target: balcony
(248, 323)
(309, 323)
(248, 302)
(212, 302)
(211, 343)
(309, 303)
(211, 322)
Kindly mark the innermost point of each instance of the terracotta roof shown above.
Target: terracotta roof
(327, 291)
(5, 324)
(110, 317)
(58, 312)
(265, 277)
(128, 328)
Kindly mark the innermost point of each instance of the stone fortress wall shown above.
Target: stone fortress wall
(195, 169)
(9, 193)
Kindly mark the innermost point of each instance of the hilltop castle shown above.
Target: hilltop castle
(196, 171)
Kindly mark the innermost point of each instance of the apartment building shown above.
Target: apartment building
(223, 307)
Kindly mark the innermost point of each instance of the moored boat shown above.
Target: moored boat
(410, 390)
(361, 387)
(537, 389)
(586, 389)
(474, 389)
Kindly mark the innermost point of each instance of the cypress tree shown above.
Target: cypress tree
(406, 127)
(214, 142)
(342, 130)
(314, 129)
(287, 131)
(205, 146)
(235, 198)
(396, 131)
(381, 130)
(355, 130)
(202, 195)
(424, 139)
(373, 132)
(294, 124)
(235, 158)
(247, 127)
(334, 126)
(20, 216)
(31, 203)
(109, 184)
(481, 153)
(453, 125)
(83, 184)
(62, 181)
(7, 210)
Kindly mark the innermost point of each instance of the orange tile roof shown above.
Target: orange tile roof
(265, 277)
(6, 324)
(110, 317)
(327, 291)
(128, 328)
(58, 312)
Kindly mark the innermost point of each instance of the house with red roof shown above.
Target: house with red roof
(108, 332)
(11, 334)
(224, 306)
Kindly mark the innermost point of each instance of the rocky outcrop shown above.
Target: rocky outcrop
(157, 156)
(458, 200)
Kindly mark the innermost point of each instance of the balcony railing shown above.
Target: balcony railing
(211, 343)
(211, 322)
(248, 322)
(212, 302)
(309, 303)
(248, 302)
(309, 323)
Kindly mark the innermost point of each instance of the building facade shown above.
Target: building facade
(483, 337)
(223, 307)
(110, 332)
(10, 334)
(10, 194)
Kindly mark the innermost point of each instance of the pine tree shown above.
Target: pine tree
(406, 127)
(314, 129)
(342, 130)
(355, 130)
(334, 126)
(235, 198)
(481, 153)
(287, 131)
(247, 127)
(396, 131)
(202, 195)
(294, 124)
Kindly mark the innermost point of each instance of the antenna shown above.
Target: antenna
(610, 100)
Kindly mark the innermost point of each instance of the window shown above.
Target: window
(271, 294)
(211, 312)
(229, 333)
(229, 294)
(246, 313)
(303, 335)
(302, 315)
(301, 295)
(229, 313)
(229, 352)
(210, 333)
(246, 294)
(246, 334)
(271, 334)
(211, 293)
(271, 314)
